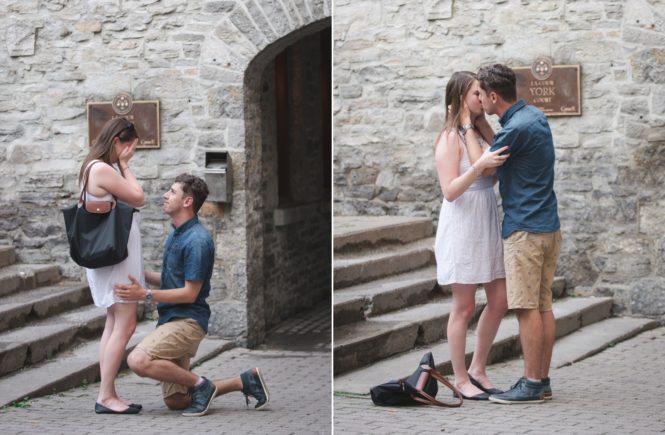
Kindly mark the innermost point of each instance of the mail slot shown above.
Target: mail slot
(218, 176)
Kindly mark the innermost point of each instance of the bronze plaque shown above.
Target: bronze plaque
(554, 89)
(144, 115)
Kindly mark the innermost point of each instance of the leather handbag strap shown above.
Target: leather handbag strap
(429, 400)
(95, 206)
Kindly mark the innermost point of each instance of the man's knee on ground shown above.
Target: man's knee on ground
(177, 401)
(138, 361)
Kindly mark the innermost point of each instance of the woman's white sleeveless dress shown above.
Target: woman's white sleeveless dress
(468, 246)
(101, 280)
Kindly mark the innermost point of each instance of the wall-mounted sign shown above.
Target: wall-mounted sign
(554, 89)
(144, 115)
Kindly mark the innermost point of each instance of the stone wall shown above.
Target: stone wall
(202, 60)
(393, 59)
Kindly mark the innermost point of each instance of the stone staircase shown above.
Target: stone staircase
(389, 310)
(50, 331)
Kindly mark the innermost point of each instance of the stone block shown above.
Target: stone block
(438, 9)
(635, 106)
(20, 39)
(218, 7)
(648, 297)
(226, 101)
(651, 218)
(350, 91)
(648, 66)
(88, 26)
(242, 21)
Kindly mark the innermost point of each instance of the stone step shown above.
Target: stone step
(359, 232)
(81, 365)
(361, 343)
(7, 255)
(20, 308)
(597, 337)
(18, 277)
(568, 312)
(38, 341)
(356, 303)
(379, 263)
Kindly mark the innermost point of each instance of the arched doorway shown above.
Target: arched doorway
(287, 177)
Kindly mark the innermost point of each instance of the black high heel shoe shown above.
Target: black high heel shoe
(489, 391)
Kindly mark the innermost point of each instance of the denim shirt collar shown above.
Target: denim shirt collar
(511, 111)
(187, 225)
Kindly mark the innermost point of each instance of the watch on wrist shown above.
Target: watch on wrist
(148, 295)
(466, 127)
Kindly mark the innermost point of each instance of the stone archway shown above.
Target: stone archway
(268, 300)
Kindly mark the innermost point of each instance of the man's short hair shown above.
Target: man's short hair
(195, 187)
(500, 79)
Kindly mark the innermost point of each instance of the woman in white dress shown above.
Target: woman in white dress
(115, 145)
(468, 245)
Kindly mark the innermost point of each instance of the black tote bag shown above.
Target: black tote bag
(418, 389)
(97, 232)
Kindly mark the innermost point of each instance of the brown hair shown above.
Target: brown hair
(195, 187)
(458, 85)
(102, 147)
(500, 79)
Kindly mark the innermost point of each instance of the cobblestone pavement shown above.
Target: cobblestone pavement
(618, 391)
(299, 382)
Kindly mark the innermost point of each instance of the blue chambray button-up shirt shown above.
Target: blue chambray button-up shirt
(189, 254)
(526, 179)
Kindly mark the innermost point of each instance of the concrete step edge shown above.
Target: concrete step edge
(28, 345)
(17, 277)
(569, 317)
(593, 339)
(23, 307)
(7, 255)
(378, 297)
(82, 365)
(349, 272)
(371, 231)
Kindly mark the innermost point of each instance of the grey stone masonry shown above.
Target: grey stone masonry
(391, 65)
(202, 60)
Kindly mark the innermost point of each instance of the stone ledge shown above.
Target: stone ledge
(299, 213)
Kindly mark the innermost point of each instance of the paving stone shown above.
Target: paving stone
(631, 408)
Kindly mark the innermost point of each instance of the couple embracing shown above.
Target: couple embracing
(514, 261)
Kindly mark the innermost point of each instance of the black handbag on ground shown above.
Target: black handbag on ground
(418, 389)
(97, 231)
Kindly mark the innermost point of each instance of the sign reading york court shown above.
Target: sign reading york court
(554, 89)
(144, 115)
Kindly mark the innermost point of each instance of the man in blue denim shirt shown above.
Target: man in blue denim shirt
(184, 283)
(530, 227)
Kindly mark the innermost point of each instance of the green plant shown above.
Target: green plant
(24, 403)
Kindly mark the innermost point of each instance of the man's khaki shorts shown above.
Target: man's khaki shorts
(530, 265)
(177, 341)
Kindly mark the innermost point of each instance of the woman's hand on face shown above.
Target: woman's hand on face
(128, 152)
(465, 114)
(493, 159)
(480, 118)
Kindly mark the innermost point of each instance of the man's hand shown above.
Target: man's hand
(130, 292)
